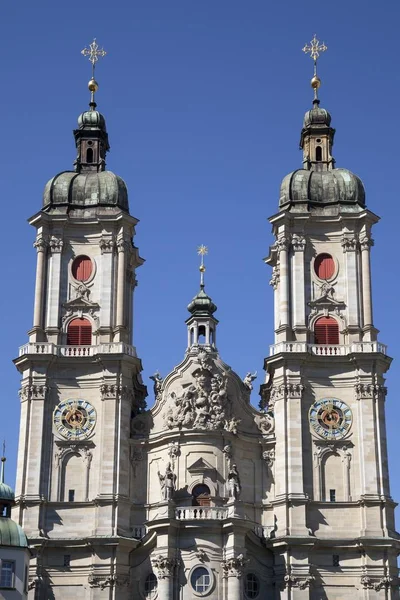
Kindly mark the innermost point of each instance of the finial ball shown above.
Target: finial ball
(202, 269)
(315, 82)
(93, 85)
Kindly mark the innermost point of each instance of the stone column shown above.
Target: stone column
(284, 286)
(233, 572)
(54, 287)
(274, 282)
(106, 244)
(365, 243)
(165, 570)
(349, 245)
(41, 247)
(122, 247)
(298, 287)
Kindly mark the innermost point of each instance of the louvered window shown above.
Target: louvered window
(79, 333)
(326, 331)
(324, 266)
(82, 268)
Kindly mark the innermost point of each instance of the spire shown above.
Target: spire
(91, 137)
(202, 324)
(3, 463)
(317, 135)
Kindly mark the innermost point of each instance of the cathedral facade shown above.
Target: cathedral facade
(203, 495)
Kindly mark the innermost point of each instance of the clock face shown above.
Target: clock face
(330, 418)
(74, 419)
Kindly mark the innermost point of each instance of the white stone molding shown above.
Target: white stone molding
(321, 451)
(56, 245)
(164, 566)
(373, 583)
(349, 243)
(109, 391)
(40, 244)
(366, 242)
(298, 242)
(203, 479)
(266, 423)
(61, 455)
(104, 581)
(106, 244)
(233, 567)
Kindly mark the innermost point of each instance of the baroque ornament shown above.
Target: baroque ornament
(164, 566)
(233, 567)
(204, 404)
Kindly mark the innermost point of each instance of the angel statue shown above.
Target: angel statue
(248, 380)
(167, 482)
(158, 380)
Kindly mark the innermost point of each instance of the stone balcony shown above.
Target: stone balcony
(327, 349)
(189, 513)
(47, 348)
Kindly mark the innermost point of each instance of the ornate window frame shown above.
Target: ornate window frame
(63, 451)
(92, 275)
(212, 581)
(321, 450)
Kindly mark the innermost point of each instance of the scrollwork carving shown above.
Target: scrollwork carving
(56, 245)
(33, 392)
(366, 242)
(298, 242)
(349, 244)
(274, 281)
(106, 245)
(269, 457)
(40, 244)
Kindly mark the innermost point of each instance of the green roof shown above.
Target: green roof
(11, 534)
(6, 492)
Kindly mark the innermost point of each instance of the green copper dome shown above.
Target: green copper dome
(337, 186)
(317, 116)
(11, 534)
(202, 305)
(92, 119)
(6, 493)
(85, 189)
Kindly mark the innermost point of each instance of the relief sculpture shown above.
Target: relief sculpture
(204, 404)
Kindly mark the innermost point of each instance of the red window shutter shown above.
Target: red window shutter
(324, 266)
(79, 333)
(82, 268)
(326, 331)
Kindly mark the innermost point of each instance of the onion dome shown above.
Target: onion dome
(89, 188)
(90, 184)
(319, 183)
(202, 305)
(11, 534)
(338, 186)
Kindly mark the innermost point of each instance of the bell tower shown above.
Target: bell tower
(81, 382)
(325, 383)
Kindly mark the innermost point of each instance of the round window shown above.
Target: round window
(251, 586)
(150, 586)
(324, 266)
(82, 268)
(200, 580)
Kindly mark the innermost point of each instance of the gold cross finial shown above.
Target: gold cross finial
(314, 50)
(93, 53)
(202, 251)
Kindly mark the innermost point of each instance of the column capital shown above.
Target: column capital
(233, 567)
(106, 244)
(123, 245)
(366, 242)
(56, 245)
(282, 244)
(349, 243)
(40, 244)
(298, 242)
(164, 566)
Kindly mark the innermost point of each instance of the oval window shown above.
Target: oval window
(82, 268)
(150, 586)
(200, 580)
(324, 266)
(251, 586)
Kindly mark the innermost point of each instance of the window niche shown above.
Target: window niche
(332, 475)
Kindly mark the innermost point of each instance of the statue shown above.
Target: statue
(167, 482)
(326, 290)
(158, 380)
(248, 380)
(82, 291)
(234, 486)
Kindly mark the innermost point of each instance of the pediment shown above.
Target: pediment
(200, 466)
(326, 302)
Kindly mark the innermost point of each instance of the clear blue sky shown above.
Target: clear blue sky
(204, 103)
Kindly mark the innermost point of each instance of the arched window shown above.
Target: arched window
(82, 268)
(79, 333)
(150, 586)
(201, 495)
(318, 153)
(202, 334)
(326, 331)
(89, 155)
(324, 266)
